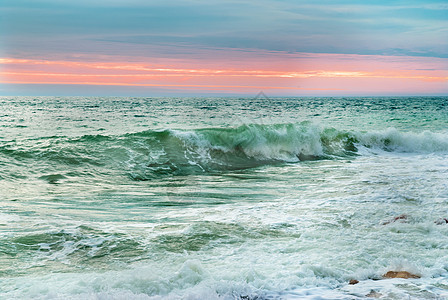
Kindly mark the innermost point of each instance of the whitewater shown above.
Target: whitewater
(223, 198)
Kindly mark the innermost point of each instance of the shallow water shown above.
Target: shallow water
(222, 198)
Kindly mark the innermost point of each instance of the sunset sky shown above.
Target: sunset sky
(198, 48)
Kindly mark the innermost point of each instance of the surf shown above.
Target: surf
(153, 153)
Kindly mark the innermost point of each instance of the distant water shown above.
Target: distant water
(223, 198)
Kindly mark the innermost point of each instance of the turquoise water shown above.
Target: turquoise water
(223, 198)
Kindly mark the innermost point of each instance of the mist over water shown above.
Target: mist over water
(223, 198)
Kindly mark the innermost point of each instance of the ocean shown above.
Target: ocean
(223, 198)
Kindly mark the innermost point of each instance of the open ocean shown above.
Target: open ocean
(223, 198)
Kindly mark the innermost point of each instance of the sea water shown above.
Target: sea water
(223, 198)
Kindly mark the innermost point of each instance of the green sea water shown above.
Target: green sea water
(223, 198)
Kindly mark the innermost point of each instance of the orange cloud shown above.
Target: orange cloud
(369, 72)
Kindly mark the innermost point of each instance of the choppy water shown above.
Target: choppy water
(223, 198)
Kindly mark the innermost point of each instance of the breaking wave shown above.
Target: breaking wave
(254, 145)
(150, 153)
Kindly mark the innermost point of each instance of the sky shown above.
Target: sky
(219, 48)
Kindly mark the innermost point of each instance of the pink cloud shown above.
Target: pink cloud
(367, 74)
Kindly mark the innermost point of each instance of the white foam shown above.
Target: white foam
(393, 140)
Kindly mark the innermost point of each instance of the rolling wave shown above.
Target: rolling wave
(150, 153)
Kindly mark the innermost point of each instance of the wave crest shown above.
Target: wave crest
(150, 154)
